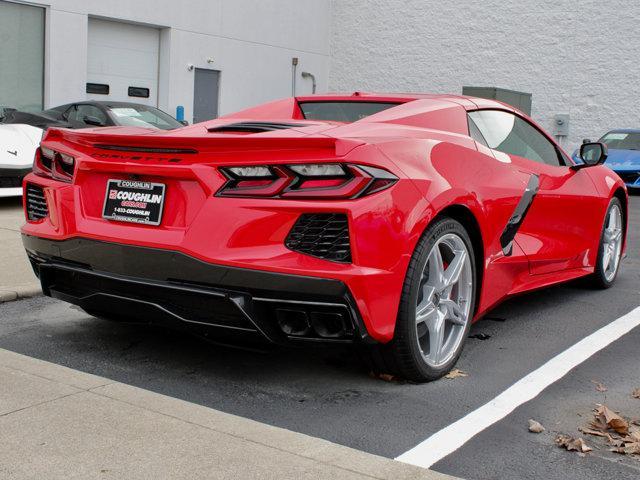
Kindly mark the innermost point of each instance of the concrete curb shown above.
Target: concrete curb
(72, 411)
(9, 294)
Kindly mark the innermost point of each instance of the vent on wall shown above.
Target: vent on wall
(139, 92)
(98, 88)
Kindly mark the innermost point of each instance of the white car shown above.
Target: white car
(18, 143)
(20, 132)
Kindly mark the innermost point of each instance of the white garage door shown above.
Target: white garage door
(123, 57)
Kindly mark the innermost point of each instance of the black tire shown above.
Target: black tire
(402, 356)
(598, 279)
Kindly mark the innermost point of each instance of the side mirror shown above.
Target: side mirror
(586, 140)
(592, 154)
(95, 121)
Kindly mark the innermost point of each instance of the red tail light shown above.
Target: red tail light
(305, 181)
(51, 164)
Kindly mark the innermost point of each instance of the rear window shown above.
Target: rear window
(342, 111)
(143, 116)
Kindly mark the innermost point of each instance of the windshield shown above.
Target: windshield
(143, 116)
(622, 141)
(342, 111)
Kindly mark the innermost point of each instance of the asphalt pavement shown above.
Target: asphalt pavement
(326, 393)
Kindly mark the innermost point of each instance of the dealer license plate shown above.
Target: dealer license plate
(134, 201)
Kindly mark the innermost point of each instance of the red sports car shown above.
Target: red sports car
(387, 221)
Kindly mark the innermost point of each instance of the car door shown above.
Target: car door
(556, 229)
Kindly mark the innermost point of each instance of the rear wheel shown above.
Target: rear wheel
(610, 248)
(436, 306)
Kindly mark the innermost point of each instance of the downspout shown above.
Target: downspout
(313, 80)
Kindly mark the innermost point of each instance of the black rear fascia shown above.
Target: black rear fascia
(252, 292)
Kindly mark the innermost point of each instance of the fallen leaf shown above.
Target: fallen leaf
(596, 424)
(636, 393)
(599, 386)
(535, 427)
(386, 377)
(455, 373)
(597, 433)
(612, 420)
(628, 449)
(572, 444)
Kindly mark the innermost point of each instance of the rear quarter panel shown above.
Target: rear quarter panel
(459, 174)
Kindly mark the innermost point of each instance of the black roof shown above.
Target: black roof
(101, 103)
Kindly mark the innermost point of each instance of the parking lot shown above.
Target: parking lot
(326, 393)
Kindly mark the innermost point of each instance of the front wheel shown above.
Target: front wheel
(610, 247)
(436, 306)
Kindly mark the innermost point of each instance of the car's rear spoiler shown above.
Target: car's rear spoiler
(144, 140)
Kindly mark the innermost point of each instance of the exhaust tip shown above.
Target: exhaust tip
(328, 324)
(293, 322)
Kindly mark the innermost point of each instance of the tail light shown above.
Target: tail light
(305, 181)
(52, 164)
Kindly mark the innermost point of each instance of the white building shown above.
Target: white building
(221, 55)
(575, 58)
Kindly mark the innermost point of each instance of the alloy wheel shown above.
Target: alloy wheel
(444, 300)
(612, 243)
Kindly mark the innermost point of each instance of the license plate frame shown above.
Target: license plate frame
(134, 201)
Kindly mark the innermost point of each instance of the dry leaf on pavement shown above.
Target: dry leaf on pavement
(599, 386)
(572, 444)
(611, 419)
(535, 427)
(385, 377)
(622, 437)
(596, 433)
(628, 449)
(455, 373)
(636, 393)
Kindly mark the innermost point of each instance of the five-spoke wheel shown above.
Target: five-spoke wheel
(610, 248)
(436, 307)
(444, 300)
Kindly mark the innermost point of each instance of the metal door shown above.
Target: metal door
(205, 94)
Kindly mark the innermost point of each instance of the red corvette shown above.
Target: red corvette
(388, 221)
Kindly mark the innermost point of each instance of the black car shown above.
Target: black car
(96, 114)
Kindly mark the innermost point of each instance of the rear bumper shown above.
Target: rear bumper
(11, 180)
(172, 288)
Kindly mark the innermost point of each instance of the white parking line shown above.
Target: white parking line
(454, 436)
